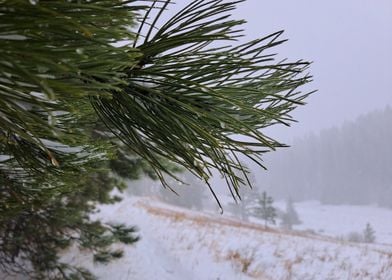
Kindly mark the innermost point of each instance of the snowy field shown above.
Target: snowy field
(181, 244)
(340, 220)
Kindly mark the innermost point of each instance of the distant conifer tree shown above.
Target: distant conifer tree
(264, 209)
(369, 234)
(290, 216)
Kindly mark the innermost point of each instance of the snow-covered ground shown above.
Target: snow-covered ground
(341, 220)
(183, 244)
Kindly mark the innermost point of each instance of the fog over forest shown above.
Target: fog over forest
(351, 164)
(347, 164)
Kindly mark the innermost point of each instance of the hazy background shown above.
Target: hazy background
(340, 151)
(350, 44)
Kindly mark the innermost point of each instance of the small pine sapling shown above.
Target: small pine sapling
(369, 234)
(264, 209)
(290, 216)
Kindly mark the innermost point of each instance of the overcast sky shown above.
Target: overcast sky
(350, 44)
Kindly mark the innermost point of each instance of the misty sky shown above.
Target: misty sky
(350, 44)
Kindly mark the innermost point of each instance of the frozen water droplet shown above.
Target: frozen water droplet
(42, 69)
(222, 125)
(33, 2)
(79, 51)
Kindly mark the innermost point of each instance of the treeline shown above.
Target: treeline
(348, 164)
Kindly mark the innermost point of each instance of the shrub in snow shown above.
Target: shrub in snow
(354, 237)
(290, 216)
(264, 209)
(369, 234)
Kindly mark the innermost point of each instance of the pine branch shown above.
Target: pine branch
(193, 93)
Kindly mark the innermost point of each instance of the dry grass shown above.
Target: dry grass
(242, 262)
(245, 261)
(208, 220)
(201, 219)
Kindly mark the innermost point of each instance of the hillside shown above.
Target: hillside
(181, 244)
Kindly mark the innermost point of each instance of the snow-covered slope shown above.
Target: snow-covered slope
(340, 220)
(181, 244)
